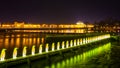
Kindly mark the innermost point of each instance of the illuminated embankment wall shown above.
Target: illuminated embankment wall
(83, 58)
(46, 48)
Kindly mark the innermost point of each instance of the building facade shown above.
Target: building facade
(79, 27)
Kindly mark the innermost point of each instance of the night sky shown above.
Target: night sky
(58, 11)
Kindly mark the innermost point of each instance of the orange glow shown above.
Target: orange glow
(69, 28)
(23, 25)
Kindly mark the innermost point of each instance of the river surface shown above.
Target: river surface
(10, 41)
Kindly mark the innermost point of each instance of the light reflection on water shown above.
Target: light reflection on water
(6, 42)
(82, 59)
(10, 41)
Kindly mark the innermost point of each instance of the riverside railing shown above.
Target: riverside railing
(54, 47)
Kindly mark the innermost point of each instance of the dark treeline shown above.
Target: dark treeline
(108, 21)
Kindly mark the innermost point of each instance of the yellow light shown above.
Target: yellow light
(33, 50)
(47, 47)
(71, 43)
(24, 51)
(2, 55)
(58, 45)
(78, 42)
(53, 46)
(81, 41)
(63, 45)
(15, 53)
(75, 42)
(84, 41)
(67, 44)
(40, 48)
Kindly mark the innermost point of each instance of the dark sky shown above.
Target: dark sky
(58, 11)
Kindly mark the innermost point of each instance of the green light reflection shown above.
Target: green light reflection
(82, 58)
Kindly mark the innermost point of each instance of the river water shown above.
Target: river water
(19, 40)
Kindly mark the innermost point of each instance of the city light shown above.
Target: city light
(55, 28)
(33, 50)
(40, 48)
(24, 51)
(53, 46)
(2, 55)
(58, 45)
(15, 53)
(47, 47)
(63, 45)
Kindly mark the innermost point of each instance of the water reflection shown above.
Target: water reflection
(6, 42)
(17, 42)
(10, 41)
(82, 59)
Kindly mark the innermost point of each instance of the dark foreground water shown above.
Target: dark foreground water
(105, 56)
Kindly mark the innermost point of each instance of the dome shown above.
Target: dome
(80, 23)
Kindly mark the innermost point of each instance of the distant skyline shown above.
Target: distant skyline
(58, 11)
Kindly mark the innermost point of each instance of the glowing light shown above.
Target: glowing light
(81, 41)
(40, 49)
(82, 58)
(84, 41)
(47, 47)
(24, 51)
(2, 55)
(67, 44)
(58, 45)
(78, 41)
(80, 24)
(75, 42)
(33, 50)
(15, 53)
(88, 39)
(53, 46)
(63, 45)
(71, 43)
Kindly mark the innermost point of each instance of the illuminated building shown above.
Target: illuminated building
(79, 27)
(107, 27)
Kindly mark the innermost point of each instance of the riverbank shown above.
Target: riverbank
(115, 37)
(115, 56)
(109, 59)
(57, 56)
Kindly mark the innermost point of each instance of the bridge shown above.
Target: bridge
(47, 49)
